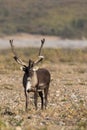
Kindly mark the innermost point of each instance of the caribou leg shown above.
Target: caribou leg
(26, 101)
(45, 95)
(41, 96)
(35, 99)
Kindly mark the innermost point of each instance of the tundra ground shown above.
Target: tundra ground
(67, 100)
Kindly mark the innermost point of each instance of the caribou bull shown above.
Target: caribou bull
(36, 81)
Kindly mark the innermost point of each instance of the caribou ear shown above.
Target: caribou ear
(21, 68)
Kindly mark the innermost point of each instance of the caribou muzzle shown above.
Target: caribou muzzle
(29, 87)
(31, 90)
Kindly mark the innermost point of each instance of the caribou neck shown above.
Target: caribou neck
(34, 79)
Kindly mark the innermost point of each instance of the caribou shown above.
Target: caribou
(34, 80)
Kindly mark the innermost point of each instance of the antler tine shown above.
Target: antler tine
(42, 42)
(19, 61)
(12, 47)
(40, 57)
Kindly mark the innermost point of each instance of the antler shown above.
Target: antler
(17, 59)
(40, 57)
(42, 42)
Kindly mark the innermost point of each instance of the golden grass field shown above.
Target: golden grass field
(67, 99)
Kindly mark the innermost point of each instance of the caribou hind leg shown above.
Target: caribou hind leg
(46, 95)
(41, 96)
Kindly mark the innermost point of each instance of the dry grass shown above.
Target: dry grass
(67, 107)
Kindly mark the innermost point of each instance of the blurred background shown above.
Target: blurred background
(65, 19)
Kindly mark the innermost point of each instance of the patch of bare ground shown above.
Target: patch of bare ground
(67, 100)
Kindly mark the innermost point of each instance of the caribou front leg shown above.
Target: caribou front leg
(41, 96)
(26, 101)
(46, 94)
(35, 99)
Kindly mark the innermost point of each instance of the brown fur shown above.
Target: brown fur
(42, 84)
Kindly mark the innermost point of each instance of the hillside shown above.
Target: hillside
(65, 18)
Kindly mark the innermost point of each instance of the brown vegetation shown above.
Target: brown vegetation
(67, 106)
